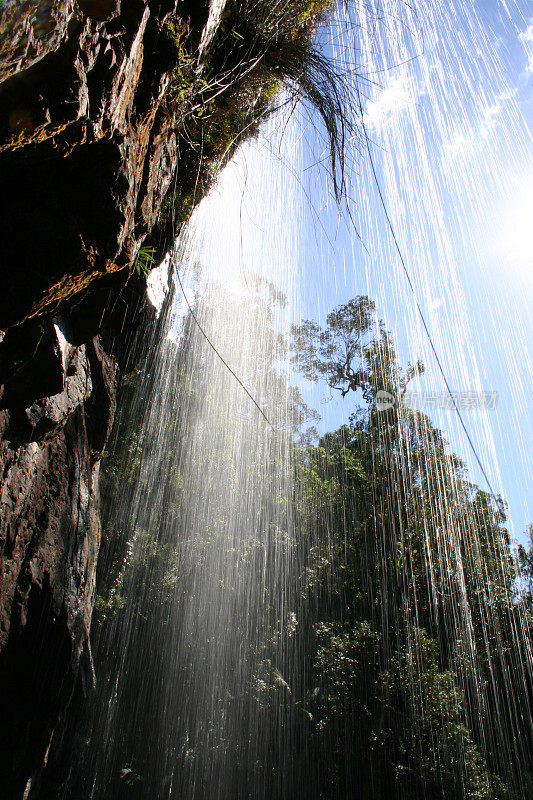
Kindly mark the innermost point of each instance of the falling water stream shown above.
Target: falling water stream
(209, 615)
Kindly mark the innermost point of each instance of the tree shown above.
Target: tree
(525, 562)
(405, 547)
(353, 352)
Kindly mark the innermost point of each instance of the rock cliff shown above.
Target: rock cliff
(88, 150)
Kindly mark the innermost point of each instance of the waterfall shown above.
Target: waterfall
(206, 481)
(235, 657)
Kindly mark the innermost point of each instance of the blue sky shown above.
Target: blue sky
(448, 108)
(449, 111)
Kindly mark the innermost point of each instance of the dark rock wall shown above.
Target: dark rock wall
(50, 530)
(87, 145)
(50, 454)
(88, 152)
(49, 512)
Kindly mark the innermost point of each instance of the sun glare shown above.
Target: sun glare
(516, 231)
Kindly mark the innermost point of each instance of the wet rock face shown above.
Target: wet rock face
(88, 151)
(57, 405)
(50, 535)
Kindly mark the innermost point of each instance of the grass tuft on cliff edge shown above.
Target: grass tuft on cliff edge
(260, 51)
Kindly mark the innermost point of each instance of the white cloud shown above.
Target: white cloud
(526, 38)
(435, 304)
(459, 143)
(389, 103)
(472, 139)
(527, 35)
(508, 94)
(490, 119)
(491, 112)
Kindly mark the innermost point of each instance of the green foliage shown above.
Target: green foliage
(353, 352)
(525, 561)
(380, 501)
(359, 680)
(144, 260)
(129, 776)
(310, 11)
(217, 100)
(402, 719)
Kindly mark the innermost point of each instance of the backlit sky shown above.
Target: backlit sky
(448, 108)
(450, 118)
